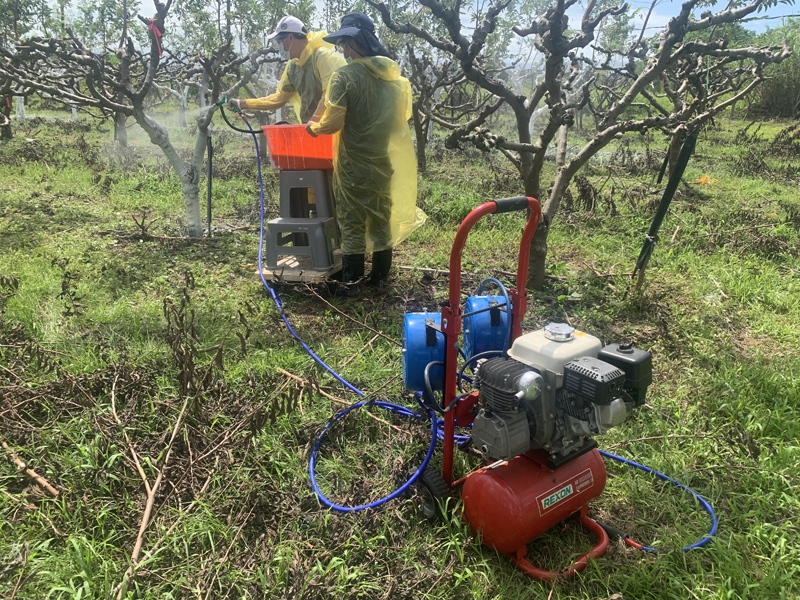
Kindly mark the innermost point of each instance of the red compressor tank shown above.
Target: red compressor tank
(512, 504)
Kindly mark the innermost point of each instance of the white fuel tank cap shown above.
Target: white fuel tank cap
(559, 332)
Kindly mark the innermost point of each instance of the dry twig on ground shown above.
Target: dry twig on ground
(151, 496)
(364, 325)
(31, 473)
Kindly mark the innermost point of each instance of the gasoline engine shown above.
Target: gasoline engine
(556, 389)
(553, 389)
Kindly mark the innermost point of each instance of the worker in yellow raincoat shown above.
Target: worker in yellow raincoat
(368, 105)
(311, 62)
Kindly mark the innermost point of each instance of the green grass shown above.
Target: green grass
(83, 307)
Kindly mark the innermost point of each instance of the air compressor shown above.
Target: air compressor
(537, 400)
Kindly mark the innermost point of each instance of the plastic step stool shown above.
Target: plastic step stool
(306, 194)
(320, 236)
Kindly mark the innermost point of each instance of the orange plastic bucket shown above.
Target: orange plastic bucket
(292, 149)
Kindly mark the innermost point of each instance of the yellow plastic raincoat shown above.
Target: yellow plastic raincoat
(305, 80)
(375, 171)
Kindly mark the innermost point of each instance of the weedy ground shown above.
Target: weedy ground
(135, 363)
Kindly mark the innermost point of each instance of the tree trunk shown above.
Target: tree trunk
(201, 96)
(538, 257)
(422, 139)
(538, 247)
(120, 130)
(5, 128)
(184, 107)
(191, 199)
(188, 175)
(561, 146)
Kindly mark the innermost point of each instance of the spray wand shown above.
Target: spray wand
(236, 110)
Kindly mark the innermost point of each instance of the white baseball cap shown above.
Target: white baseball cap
(288, 25)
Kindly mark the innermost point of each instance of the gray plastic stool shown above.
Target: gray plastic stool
(320, 235)
(295, 201)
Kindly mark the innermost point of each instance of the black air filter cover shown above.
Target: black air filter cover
(594, 379)
(637, 365)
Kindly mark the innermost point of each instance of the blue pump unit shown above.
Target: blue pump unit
(488, 329)
(423, 343)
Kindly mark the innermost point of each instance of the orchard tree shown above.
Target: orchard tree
(677, 56)
(105, 26)
(8, 90)
(69, 71)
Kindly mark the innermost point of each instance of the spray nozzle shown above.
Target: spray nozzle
(226, 101)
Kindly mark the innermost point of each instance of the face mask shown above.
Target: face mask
(285, 54)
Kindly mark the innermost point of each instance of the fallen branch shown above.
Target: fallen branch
(31, 473)
(17, 406)
(32, 508)
(22, 503)
(340, 401)
(127, 234)
(19, 579)
(666, 437)
(426, 270)
(383, 335)
(356, 355)
(717, 233)
(182, 514)
(228, 551)
(225, 437)
(10, 372)
(125, 433)
(151, 497)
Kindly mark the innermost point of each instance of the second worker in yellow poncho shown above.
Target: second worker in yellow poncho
(368, 105)
(311, 62)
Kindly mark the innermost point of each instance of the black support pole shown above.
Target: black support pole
(209, 177)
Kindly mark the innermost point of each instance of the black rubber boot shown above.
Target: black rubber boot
(352, 271)
(381, 263)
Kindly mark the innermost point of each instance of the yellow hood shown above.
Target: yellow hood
(380, 67)
(314, 41)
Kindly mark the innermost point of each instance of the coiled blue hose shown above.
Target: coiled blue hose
(400, 410)
(707, 538)
(436, 431)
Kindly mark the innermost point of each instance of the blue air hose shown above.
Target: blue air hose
(400, 410)
(702, 542)
(436, 432)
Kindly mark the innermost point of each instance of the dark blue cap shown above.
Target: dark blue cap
(359, 27)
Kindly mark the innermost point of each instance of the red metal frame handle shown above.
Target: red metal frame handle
(451, 315)
(577, 566)
(473, 217)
